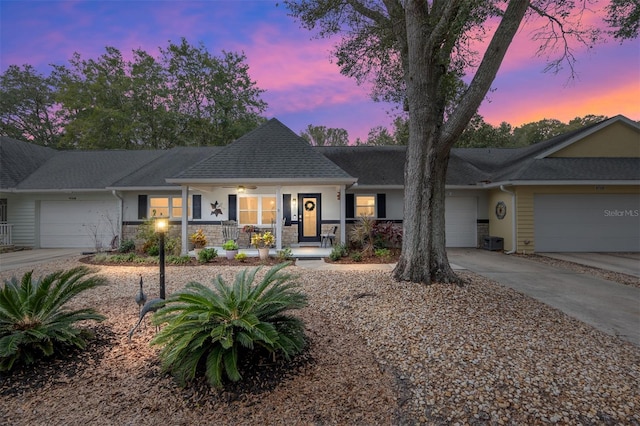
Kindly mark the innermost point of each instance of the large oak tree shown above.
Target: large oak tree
(417, 52)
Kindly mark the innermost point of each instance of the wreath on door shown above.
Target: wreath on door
(309, 206)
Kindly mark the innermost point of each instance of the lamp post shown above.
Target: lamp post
(161, 229)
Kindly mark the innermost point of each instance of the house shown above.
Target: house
(579, 191)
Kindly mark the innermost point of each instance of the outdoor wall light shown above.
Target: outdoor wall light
(241, 189)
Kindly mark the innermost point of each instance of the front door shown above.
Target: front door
(309, 218)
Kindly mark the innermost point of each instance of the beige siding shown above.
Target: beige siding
(501, 227)
(616, 140)
(525, 197)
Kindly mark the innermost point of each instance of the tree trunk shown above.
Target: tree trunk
(424, 258)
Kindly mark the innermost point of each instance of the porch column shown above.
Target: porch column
(279, 210)
(184, 221)
(343, 213)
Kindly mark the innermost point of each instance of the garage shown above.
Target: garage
(587, 222)
(461, 221)
(78, 224)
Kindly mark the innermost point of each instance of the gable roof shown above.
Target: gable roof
(19, 159)
(269, 154)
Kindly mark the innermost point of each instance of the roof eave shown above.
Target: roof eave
(265, 182)
(560, 183)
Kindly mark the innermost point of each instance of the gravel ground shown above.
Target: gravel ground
(381, 352)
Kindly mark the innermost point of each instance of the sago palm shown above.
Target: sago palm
(210, 328)
(34, 321)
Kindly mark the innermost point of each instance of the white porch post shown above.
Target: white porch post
(185, 219)
(279, 210)
(343, 214)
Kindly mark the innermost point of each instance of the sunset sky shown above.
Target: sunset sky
(303, 86)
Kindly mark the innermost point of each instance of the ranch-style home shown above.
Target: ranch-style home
(579, 191)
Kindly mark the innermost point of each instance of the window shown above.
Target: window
(166, 207)
(257, 209)
(365, 205)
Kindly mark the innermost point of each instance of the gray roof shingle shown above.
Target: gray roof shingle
(272, 152)
(86, 169)
(19, 159)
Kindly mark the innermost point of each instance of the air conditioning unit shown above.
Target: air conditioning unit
(493, 243)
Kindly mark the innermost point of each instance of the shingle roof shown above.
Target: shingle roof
(373, 165)
(86, 169)
(19, 159)
(269, 153)
(273, 153)
(168, 164)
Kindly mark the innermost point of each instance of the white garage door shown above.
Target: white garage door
(587, 223)
(460, 221)
(77, 224)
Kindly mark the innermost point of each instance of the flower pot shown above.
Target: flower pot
(264, 253)
(197, 251)
(231, 254)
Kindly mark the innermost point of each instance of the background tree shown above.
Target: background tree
(325, 136)
(27, 106)
(185, 97)
(623, 16)
(214, 96)
(417, 52)
(94, 95)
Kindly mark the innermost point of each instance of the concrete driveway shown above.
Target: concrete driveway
(610, 307)
(25, 258)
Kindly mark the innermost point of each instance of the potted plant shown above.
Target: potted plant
(262, 242)
(199, 240)
(231, 248)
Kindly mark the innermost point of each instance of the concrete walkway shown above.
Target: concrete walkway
(608, 306)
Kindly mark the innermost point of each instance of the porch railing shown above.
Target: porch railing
(5, 234)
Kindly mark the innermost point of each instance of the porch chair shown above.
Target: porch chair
(328, 237)
(230, 230)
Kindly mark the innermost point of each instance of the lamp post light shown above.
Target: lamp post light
(161, 229)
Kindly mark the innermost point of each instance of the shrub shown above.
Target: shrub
(230, 245)
(356, 256)
(178, 260)
(388, 235)
(363, 234)
(209, 329)
(207, 254)
(127, 246)
(382, 252)
(285, 254)
(198, 239)
(34, 321)
(338, 251)
(240, 257)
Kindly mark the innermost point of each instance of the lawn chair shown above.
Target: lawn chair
(230, 230)
(328, 237)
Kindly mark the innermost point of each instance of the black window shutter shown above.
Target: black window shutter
(286, 209)
(232, 207)
(142, 206)
(197, 206)
(350, 205)
(381, 204)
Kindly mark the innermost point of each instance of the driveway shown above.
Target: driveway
(608, 306)
(24, 258)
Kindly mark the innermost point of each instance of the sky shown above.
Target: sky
(303, 84)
